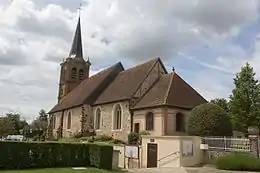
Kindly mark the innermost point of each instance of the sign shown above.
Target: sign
(252, 136)
(204, 146)
(187, 148)
(131, 151)
(151, 140)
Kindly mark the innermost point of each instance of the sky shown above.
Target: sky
(207, 42)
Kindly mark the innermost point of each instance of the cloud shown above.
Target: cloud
(12, 56)
(35, 35)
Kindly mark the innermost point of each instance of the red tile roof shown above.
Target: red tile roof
(126, 83)
(171, 90)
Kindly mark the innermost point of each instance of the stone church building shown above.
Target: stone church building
(117, 101)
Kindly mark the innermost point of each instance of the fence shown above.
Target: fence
(227, 144)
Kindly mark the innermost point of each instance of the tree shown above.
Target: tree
(223, 103)
(245, 100)
(6, 127)
(209, 120)
(39, 125)
(17, 122)
(43, 115)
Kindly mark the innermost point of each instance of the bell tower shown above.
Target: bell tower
(74, 69)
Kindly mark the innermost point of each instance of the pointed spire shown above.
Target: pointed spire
(76, 48)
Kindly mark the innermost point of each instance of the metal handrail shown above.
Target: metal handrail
(176, 152)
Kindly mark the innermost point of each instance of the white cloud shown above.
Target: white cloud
(36, 35)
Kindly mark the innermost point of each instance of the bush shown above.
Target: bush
(84, 134)
(209, 120)
(144, 133)
(133, 138)
(238, 162)
(21, 155)
(117, 141)
(104, 138)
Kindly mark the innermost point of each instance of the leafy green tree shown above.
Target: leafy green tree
(223, 103)
(17, 122)
(43, 116)
(6, 127)
(209, 120)
(39, 125)
(245, 100)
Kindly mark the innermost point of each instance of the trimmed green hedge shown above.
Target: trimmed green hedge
(238, 162)
(22, 155)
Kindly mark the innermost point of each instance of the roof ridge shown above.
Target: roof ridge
(146, 62)
(111, 66)
(169, 87)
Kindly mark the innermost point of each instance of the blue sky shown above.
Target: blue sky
(206, 41)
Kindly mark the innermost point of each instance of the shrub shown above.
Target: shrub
(133, 138)
(209, 120)
(117, 141)
(144, 133)
(104, 138)
(84, 134)
(20, 155)
(238, 162)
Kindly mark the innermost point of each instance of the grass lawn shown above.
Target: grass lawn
(61, 170)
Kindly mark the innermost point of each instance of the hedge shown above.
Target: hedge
(238, 162)
(24, 155)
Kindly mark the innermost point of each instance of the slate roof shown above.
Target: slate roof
(170, 90)
(126, 83)
(76, 48)
(88, 91)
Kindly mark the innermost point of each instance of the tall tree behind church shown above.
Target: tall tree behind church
(223, 103)
(43, 116)
(245, 99)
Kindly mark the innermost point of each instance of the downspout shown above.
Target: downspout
(131, 114)
(131, 120)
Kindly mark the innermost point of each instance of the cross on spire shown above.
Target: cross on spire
(79, 8)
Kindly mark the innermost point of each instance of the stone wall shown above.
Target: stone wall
(106, 124)
(140, 117)
(171, 121)
(76, 114)
(164, 120)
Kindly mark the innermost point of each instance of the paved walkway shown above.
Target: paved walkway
(182, 170)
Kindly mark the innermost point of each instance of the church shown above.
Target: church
(117, 101)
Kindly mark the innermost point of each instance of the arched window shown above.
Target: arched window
(117, 117)
(98, 118)
(180, 122)
(149, 121)
(73, 73)
(69, 121)
(81, 74)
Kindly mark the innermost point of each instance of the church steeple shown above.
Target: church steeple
(74, 69)
(76, 48)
